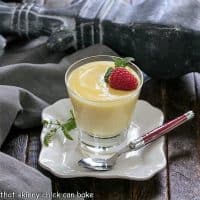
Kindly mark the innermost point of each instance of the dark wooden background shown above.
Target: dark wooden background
(181, 178)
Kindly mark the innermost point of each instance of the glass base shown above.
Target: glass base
(96, 147)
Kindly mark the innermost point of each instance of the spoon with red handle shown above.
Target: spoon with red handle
(107, 164)
(161, 130)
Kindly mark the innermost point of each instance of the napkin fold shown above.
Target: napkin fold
(25, 90)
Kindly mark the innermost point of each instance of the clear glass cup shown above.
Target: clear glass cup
(103, 125)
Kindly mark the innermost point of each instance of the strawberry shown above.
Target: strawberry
(121, 79)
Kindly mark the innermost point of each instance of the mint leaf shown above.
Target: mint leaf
(123, 62)
(45, 122)
(71, 123)
(66, 132)
(129, 59)
(49, 136)
(107, 74)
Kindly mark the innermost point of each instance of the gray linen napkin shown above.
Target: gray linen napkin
(20, 180)
(25, 89)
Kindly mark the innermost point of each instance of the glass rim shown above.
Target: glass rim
(107, 100)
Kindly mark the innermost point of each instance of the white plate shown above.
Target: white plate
(62, 155)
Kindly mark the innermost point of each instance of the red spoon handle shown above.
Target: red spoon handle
(167, 127)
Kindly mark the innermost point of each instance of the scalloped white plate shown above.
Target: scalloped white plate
(62, 155)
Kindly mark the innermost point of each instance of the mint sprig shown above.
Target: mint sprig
(54, 126)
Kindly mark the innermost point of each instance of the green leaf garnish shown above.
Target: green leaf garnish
(66, 132)
(49, 137)
(71, 123)
(123, 62)
(45, 122)
(54, 126)
(107, 74)
(68, 126)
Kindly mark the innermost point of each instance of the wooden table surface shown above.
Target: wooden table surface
(180, 180)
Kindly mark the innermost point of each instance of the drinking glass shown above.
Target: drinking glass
(102, 124)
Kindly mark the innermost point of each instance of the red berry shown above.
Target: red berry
(122, 79)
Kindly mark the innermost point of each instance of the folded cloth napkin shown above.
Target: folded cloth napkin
(25, 90)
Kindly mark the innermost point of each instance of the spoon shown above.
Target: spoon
(100, 164)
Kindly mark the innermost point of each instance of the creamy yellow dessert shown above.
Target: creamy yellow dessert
(100, 110)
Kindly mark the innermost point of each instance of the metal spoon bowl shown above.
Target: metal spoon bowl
(96, 164)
